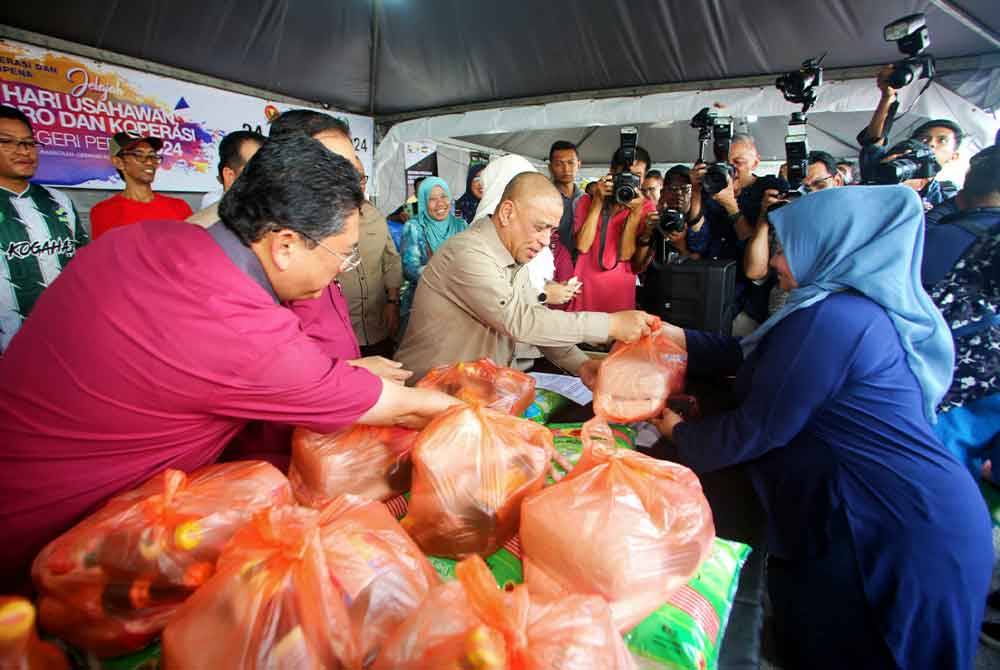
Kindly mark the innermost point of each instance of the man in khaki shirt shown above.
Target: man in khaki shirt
(475, 300)
(372, 290)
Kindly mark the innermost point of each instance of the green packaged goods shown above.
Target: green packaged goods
(545, 405)
(687, 632)
(569, 444)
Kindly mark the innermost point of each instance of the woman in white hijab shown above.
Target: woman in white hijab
(541, 268)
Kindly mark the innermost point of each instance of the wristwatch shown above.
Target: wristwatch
(543, 297)
(390, 301)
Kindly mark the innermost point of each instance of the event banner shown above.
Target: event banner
(421, 161)
(76, 105)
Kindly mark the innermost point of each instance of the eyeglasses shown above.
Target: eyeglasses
(686, 188)
(817, 184)
(10, 145)
(348, 262)
(143, 158)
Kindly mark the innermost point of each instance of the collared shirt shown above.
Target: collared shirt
(39, 233)
(164, 340)
(475, 300)
(380, 269)
(562, 244)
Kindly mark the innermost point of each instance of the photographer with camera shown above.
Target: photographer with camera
(942, 136)
(822, 174)
(608, 228)
(721, 222)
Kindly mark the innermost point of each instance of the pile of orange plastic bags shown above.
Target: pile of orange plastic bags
(301, 588)
(111, 582)
(471, 624)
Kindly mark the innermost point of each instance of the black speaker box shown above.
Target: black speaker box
(694, 294)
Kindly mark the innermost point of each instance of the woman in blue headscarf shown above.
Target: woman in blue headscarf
(423, 235)
(469, 202)
(880, 544)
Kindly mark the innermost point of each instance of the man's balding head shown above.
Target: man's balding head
(529, 209)
(529, 185)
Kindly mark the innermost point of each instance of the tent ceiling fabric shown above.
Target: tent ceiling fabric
(434, 53)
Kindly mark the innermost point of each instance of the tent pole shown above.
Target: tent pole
(373, 58)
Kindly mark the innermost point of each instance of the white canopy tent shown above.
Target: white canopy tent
(841, 110)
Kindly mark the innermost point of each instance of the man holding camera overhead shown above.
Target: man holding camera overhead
(942, 136)
(611, 234)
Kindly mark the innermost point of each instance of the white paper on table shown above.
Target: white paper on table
(565, 385)
(646, 434)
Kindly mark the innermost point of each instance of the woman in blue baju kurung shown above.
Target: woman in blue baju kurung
(880, 542)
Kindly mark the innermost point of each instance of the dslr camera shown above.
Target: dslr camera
(626, 185)
(913, 39)
(916, 162)
(717, 128)
(799, 88)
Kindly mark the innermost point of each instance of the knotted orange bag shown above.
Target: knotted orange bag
(624, 526)
(369, 461)
(302, 588)
(471, 624)
(485, 383)
(635, 380)
(110, 583)
(472, 467)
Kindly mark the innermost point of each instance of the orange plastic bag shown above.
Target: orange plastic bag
(635, 380)
(472, 467)
(369, 461)
(646, 522)
(381, 570)
(485, 383)
(110, 583)
(471, 624)
(20, 648)
(302, 588)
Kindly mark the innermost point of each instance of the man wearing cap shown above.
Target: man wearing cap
(943, 136)
(136, 159)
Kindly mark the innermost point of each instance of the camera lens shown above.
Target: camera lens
(625, 194)
(903, 73)
(716, 178)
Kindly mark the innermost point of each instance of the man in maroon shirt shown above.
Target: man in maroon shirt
(137, 159)
(152, 349)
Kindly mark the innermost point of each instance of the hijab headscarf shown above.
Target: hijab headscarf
(434, 231)
(496, 176)
(468, 203)
(869, 239)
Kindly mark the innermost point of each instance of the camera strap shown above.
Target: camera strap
(605, 224)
